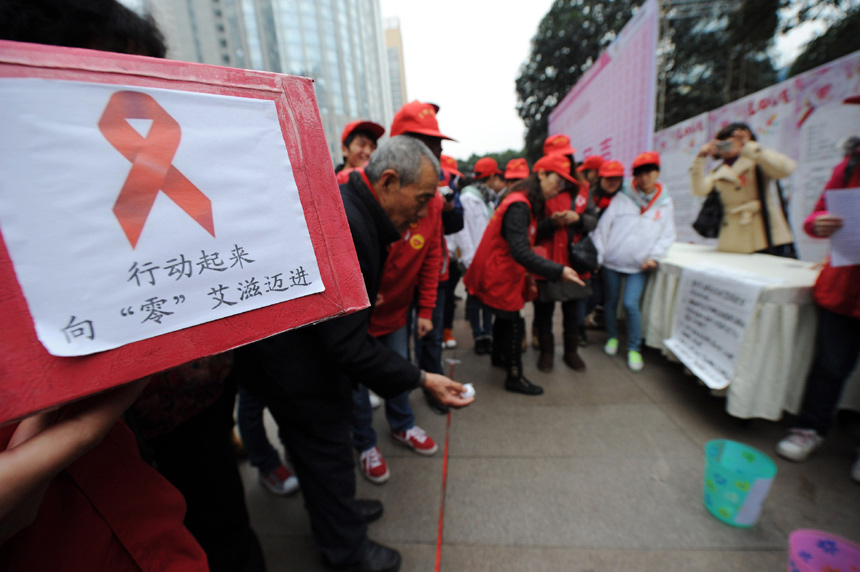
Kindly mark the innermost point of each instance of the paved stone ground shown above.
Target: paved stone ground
(604, 472)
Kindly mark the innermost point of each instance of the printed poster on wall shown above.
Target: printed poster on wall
(822, 121)
(151, 238)
(610, 110)
(678, 146)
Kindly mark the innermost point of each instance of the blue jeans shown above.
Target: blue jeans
(261, 454)
(450, 286)
(634, 284)
(428, 350)
(480, 317)
(397, 409)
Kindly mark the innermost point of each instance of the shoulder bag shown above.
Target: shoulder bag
(710, 218)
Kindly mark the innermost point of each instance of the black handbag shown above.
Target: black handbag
(784, 250)
(710, 217)
(583, 255)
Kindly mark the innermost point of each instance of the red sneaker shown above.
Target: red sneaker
(373, 466)
(280, 481)
(417, 440)
(448, 340)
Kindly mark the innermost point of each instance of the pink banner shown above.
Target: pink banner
(610, 110)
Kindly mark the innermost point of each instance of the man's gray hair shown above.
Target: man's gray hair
(404, 154)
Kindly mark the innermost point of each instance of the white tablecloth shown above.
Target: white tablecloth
(780, 339)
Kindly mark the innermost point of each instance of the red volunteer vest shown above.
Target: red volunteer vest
(494, 276)
(556, 245)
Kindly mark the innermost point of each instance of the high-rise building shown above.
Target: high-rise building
(394, 54)
(204, 31)
(338, 43)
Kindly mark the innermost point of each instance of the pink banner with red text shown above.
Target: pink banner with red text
(610, 110)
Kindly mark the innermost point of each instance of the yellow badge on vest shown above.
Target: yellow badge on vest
(416, 241)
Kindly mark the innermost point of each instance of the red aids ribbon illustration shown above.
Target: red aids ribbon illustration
(151, 167)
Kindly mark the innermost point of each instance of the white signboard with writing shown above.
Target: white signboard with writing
(712, 309)
(132, 212)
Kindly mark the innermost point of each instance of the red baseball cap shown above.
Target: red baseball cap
(647, 158)
(450, 164)
(558, 144)
(375, 128)
(556, 163)
(592, 162)
(486, 167)
(611, 169)
(417, 117)
(517, 169)
(852, 99)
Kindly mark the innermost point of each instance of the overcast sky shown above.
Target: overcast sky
(465, 55)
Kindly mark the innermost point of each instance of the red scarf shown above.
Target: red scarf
(657, 194)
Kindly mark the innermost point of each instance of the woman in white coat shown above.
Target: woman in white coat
(634, 233)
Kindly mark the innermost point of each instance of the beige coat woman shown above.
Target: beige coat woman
(742, 229)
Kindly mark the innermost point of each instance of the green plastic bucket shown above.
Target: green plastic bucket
(737, 480)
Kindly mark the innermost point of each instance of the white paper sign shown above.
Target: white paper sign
(132, 212)
(712, 309)
(845, 242)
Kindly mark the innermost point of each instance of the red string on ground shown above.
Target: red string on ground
(442, 502)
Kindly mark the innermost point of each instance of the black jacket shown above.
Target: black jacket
(322, 362)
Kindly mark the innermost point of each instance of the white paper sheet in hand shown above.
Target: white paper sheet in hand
(845, 242)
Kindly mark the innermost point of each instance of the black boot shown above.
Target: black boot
(571, 355)
(522, 385)
(373, 558)
(497, 355)
(547, 353)
(370, 509)
(516, 382)
(481, 346)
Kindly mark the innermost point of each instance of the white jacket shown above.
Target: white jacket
(626, 237)
(476, 217)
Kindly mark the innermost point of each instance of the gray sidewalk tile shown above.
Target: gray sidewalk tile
(411, 498)
(572, 431)
(600, 503)
(520, 559)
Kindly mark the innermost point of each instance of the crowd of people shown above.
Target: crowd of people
(514, 235)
